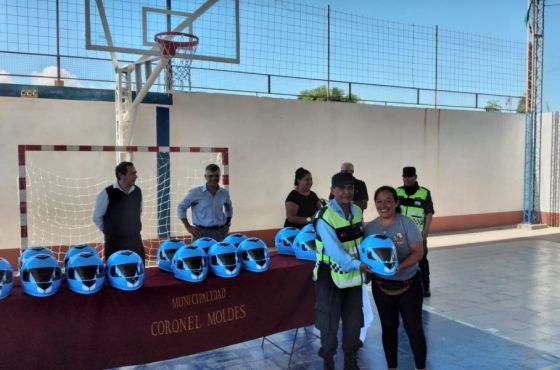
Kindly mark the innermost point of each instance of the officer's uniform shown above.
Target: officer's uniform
(417, 206)
(338, 280)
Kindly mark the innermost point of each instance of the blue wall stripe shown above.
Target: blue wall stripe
(78, 93)
(163, 173)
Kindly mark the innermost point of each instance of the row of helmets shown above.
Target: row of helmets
(225, 259)
(292, 241)
(41, 275)
(377, 251)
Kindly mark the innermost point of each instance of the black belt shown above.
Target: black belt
(210, 227)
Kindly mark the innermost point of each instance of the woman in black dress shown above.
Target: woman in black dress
(302, 203)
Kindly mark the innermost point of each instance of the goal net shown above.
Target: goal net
(59, 185)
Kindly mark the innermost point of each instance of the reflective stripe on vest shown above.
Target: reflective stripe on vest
(417, 214)
(341, 278)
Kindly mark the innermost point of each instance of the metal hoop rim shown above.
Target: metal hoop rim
(169, 46)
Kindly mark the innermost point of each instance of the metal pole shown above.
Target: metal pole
(328, 52)
(58, 82)
(169, 70)
(436, 72)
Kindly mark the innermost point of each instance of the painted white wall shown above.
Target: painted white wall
(546, 163)
(472, 161)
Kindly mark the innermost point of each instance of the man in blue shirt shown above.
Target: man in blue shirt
(211, 208)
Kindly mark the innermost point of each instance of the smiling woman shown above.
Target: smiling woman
(402, 292)
(302, 203)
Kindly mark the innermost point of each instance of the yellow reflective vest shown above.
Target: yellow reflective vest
(413, 205)
(350, 234)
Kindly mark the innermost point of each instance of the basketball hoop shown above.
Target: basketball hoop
(179, 47)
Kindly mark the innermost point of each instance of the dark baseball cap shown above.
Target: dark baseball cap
(342, 178)
(408, 172)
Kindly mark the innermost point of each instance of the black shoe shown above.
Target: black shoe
(351, 362)
(328, 364)
(361, 344)
(427, 293)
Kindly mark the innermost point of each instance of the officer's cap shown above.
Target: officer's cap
(342, 178)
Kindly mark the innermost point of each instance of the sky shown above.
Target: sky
(496, 18)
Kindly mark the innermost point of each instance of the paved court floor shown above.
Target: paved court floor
(495, 305)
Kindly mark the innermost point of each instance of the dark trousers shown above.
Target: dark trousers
(333, 304)
(216, 234)
(118, 243)
(425, 267)
(409, 306)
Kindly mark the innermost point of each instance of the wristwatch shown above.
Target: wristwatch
(308, 219)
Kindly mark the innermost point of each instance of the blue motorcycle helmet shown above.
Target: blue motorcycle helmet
(308, 228)
(223, 260)
(254, 255)
(190, 264)
(85, 273)
(204, 243)
(284, 240)
(166, 252)
(77, 249)
(235, 239)
(125, 270)
(6, 278)
(380, 254)
(40, 275)
(33, 251)
(304, 245)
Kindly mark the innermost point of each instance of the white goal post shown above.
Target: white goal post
(58, 185)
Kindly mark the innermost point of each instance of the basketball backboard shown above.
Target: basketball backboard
(129, 26)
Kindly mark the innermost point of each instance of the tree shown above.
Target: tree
(521, 105)
(492, 106)
(320, 94)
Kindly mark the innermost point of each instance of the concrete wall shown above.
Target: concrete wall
(550, 171)
(472, 161)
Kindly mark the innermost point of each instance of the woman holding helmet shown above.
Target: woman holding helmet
(401, 293)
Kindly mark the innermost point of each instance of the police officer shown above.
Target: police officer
(416, 203)
(338, 273)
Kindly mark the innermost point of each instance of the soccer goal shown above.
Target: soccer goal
(58, 185)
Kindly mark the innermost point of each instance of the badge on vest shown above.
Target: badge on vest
(417, 203)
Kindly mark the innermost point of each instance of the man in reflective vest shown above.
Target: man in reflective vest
(338, 273)
(416, 203)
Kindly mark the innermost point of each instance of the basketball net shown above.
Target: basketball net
(179, 48)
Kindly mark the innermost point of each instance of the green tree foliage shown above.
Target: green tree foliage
(320, 94)
(492, 106)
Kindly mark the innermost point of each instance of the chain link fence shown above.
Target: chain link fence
(286, 47)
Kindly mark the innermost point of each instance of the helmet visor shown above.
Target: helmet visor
(227, 259)
(6, 276)
(41, 274)
(126, 270)
(85, 273)
(383, 254)
(288, 242)
(257, 254)
(309, 245)
(195, 263)
(168, 253)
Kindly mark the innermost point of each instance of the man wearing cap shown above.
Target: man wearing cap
(360, 189)
(338, 273)
(416, 203)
